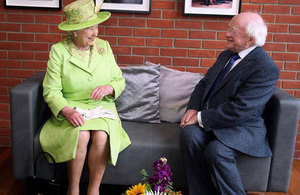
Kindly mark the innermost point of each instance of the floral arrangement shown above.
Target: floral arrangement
(158, 184)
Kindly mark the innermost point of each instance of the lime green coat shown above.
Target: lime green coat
(69, 81)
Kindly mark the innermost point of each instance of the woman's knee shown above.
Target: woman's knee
(83, 139)
(99, 138)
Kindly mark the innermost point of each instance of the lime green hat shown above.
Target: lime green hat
(81, 14)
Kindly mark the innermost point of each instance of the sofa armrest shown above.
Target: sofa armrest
(281, 116)
(28, 113)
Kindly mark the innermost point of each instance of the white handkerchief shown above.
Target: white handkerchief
(96, 113)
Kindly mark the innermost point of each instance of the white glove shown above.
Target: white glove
(96, 113)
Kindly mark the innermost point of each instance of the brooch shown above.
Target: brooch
(101, 51)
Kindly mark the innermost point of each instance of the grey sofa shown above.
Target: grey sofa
(151, 141)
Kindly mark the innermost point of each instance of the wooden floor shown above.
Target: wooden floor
(9, 186)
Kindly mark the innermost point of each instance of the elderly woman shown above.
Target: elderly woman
(81, 83)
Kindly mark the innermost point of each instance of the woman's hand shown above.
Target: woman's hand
(189, 118)
(74, 117)
(99, 92)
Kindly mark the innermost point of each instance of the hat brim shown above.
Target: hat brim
(101, 17)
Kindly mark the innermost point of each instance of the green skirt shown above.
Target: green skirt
(59, 138)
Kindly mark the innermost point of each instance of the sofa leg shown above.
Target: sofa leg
(255, 193)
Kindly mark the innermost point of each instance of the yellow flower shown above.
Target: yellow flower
(136, 190)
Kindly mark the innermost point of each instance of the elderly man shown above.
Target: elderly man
(224, 115)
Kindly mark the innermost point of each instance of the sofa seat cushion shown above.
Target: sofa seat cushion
(149, 143)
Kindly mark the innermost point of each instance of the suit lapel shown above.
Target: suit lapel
(75, 61)
(244, 63)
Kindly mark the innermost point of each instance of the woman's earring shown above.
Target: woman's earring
(75, 34)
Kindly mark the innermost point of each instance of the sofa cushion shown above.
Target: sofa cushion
(140, 99)
(175, 91)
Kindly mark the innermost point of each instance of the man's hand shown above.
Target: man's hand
(99, 92)
(74, 117)
(189, 118)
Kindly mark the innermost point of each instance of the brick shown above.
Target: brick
(147, 32)
(173, 14)
(153, 14)
(3, 72)
(54, 29)
(293, 47)
(146, 51)
(207, 62)
(277, 9)
(4, 98)
(294, 38)
(163, 5)
(174, 33)
(34, 64)
(201, 53)
(297, 95)
(48, 19)
(280, 64)
(251, 7)
(275, 46)
(130, 59)
(215, 25)
(132, 41)
(154, 23)
(110, 22)
(287, 75)
(121, 50)
(292, 66)
(35, 28)
(288, 19)
(289, 2)
(159, 42)
(186, 62)
(264, 1)
(10, 63)
(203, 34)
(21, 55)
(291, 84)
(132, 22)
(285, 56)
(20, 37)
(188, 43)
(6, 131)
(4, 141)
(295, 28)
(10, 27)
(21, 73)
(52, 38)
(283, 28)
(214, 44)
(2, 17)
(3, 36)
(9, 81)
(173, 52)
(35, 46)
(23, 18)
(42, 55)
(159, 60)
(119, 31)
(296, 10)
(269, 18)
(111, 40)
(189, 24)
(3, 54)
(4, 107)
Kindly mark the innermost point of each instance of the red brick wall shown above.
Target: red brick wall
(165, 36)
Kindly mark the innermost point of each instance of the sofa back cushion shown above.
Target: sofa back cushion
(175, 90)
(140, 100)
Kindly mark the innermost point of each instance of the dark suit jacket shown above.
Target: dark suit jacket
(236, 107)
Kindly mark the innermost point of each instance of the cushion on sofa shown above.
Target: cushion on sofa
(175, 90)
(140, 99)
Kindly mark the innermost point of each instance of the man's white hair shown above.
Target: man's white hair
(258, 30)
